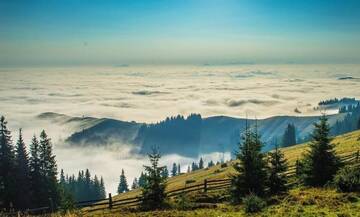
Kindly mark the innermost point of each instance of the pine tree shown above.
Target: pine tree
(142, 180)
(153, 193)
(87, 185)
(188, 169)
(102, 188)
(211, 163)
(48, 170)
(36, 180)
(165, 173)
(289, 137)
(201, 163)
(358, 124)
(7, 166)
(277, 168)
(96, 189)
(123, 186)
(135, 184)
(174, 170)
(179, 169)
(22, 177)
(320, 163)
(251, 173)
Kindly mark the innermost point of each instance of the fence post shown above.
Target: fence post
(110, 201)
(205, 185)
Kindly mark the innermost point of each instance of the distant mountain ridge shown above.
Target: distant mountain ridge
(187, 136)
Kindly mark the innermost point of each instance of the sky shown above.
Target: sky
(127, 32)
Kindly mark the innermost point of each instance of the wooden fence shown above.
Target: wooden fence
(205, 186)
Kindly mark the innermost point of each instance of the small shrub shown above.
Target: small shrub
(348, 179)
(189, 181)
(253, 203)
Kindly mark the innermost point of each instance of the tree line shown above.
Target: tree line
(28, 179)
(83, 187)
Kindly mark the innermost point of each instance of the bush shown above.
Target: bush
(348, 179)
(253, 203)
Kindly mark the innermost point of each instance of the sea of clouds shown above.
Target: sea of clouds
(152, 93)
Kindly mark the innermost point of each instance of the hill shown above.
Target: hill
(189, 136)
(300, 201)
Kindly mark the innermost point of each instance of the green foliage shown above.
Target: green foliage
(174, 170)
(320, 163)
(253, 203)
(289, 137)
(153, 192)
(277, 168)
(22, 177)
(7, 166)
(123, 186)
(347, 179)
(201, 163)
(251, 168)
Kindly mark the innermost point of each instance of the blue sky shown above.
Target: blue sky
(109, 32)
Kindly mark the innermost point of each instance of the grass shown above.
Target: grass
(308, 202)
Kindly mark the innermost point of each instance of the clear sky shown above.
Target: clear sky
(115, 32)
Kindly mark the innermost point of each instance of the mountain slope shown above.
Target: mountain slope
(191, 136)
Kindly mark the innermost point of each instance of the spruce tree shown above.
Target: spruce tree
(320, 163)
(22, 177)
(174, 170)
(251, 168)
(142, 180)
(96, 189)
(36, 180)
(211, 163)
(48, 170)
(7, 166)
(102, 188)
(289, 137)
(87, 185)
(165, 173)
(123, 186)
(135, 184)
(178, 169)
(277, 168)
(201, 163)
(153, 193)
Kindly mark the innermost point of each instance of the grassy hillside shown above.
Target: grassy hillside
(344, 144)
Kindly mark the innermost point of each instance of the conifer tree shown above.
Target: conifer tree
(142, 180)
(211, 163)
(102, 188)
(48, 170)
(174, 170)
(87, 185)
(277, 168)
(135, 184)
(165, 173)
(289, 137)
(96, 189)
(201, 163)
(179, 169)
(358, 124)
(153, 193)
(320, 163)
(36, 179)
(188, 169)
(123, 186)
(22, 177)
(7, 166)
(251, 168)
